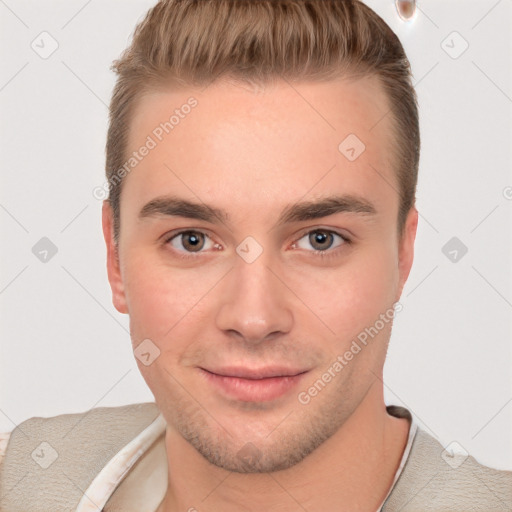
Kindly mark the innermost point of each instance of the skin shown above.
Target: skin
(252, 153)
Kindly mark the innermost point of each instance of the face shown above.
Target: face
(254, 251)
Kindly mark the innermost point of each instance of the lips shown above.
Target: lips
(256, 373)
(253, 384)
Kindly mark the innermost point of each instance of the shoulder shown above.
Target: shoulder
(47, 461)
(436, 479)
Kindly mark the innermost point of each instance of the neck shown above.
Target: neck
(354, 468)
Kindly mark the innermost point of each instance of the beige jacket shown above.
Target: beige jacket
(114, 459)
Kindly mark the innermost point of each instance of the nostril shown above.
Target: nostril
(406, 8)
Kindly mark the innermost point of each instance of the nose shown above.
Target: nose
(255, 304)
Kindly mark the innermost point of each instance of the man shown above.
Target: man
(262, 160)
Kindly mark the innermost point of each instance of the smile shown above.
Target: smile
(254, 385)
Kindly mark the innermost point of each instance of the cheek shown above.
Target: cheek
(351, 297)
(162, 299)
(167, 307)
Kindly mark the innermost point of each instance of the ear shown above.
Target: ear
(113, 265)
(406, 249)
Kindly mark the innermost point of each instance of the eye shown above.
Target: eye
(191, 241)
(321, 240)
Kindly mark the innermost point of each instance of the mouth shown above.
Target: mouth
(254, 385)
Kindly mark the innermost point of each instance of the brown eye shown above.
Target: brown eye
(321, 240)
(193, 241)
(189, 241)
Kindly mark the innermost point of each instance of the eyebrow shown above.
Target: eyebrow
(303, 211)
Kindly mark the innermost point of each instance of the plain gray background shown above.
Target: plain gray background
(64, 348)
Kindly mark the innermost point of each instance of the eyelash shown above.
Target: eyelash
(324, 255)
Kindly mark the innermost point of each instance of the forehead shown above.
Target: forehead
(264, 143)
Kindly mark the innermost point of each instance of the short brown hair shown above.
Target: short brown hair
(195, 42)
